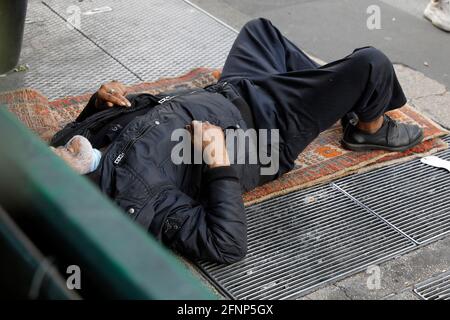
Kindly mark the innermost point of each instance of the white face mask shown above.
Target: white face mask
(79, 154)
(96, 156)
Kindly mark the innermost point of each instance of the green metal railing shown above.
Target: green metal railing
(84, 228)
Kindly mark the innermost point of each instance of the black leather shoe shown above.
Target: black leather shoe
(392, 136)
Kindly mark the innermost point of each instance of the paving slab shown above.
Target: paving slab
(416, 85)
(436, 106)
(427, 95)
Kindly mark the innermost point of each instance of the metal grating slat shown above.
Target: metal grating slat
(305, 239)
(413, 197)
(437, 288)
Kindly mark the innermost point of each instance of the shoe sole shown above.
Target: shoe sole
(429, 15)
(369, 147)
(441, 26)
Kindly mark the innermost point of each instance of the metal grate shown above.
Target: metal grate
(305, 239)
(413, 197)
(154, 38)
(437, 288)
(61, 61)
(142, 40)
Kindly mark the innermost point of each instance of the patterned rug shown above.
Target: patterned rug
(325, 160)
(322, 161)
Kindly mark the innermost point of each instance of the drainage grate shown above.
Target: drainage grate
(437, 288)
(413, 197)
(305, 239)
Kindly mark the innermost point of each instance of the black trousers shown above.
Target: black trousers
(286, 90)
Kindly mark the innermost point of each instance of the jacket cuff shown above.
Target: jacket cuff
(225, 172)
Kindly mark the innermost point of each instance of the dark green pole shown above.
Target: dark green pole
(12, 21)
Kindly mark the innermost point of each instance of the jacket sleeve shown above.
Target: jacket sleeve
(216, 231)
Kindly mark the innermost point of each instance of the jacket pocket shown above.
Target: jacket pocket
(131, 193)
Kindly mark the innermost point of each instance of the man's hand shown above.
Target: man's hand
(210, 140)
(112, 93)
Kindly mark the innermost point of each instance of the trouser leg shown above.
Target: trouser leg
(382, 91)
(363, 82)
(312, 101)
(288, 91)
(260, 49)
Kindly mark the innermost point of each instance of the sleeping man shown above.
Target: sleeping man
(130, 145)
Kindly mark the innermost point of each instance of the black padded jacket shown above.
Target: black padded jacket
(191, 208)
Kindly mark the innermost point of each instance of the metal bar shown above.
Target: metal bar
(436, 288)
(373, 212)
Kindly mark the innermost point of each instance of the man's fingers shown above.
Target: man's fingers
(121, 92)
(123, 101)
(114, 94)
(197, 134)
(115, 99)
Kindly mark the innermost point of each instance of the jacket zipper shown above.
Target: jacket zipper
(130, 143)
